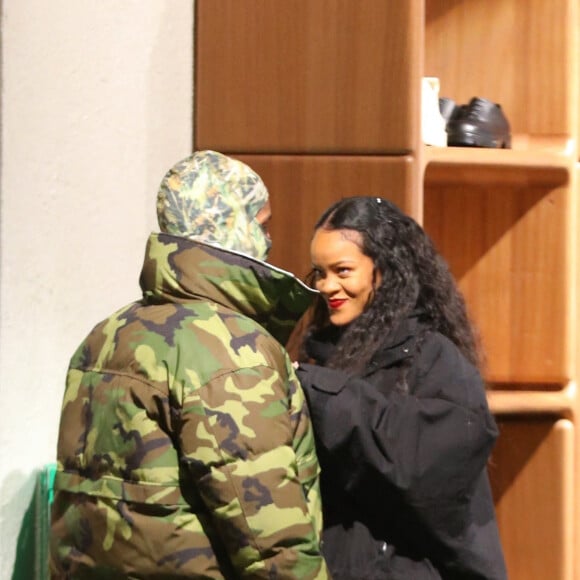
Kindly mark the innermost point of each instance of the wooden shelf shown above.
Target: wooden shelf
(560, 403)
(556, 154)
(507, 166)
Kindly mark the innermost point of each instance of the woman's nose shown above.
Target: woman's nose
(327, 285)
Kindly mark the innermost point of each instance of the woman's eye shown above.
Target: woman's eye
(314, 276)
(343, 271)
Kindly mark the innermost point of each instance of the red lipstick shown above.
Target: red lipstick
(336, 303)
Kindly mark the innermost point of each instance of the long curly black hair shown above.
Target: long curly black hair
(414, 279)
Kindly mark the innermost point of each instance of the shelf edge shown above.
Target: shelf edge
(562, 403)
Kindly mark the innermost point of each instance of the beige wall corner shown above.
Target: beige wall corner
(96, 104)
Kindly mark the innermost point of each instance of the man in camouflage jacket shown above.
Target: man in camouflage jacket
(185, 448)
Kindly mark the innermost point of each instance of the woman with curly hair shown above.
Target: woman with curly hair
(390, 366)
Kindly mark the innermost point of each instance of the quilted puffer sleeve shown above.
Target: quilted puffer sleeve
(248, 446)
(305, 448)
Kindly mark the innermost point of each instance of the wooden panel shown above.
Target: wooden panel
(516, 401)
(532, 476)
(574, 242)
(302, 187)
(574, 266)
(504, 234)
(574, 96)
(520, 54)
(309, 76)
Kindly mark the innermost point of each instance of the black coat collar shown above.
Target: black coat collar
(398, 346)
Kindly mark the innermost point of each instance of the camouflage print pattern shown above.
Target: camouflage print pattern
(212, 198)
(185, 447)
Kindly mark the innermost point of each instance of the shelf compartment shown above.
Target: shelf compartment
(532, 476)
(504, 232)
(521, 55)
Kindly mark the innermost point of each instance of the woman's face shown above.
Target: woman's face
(343, 274)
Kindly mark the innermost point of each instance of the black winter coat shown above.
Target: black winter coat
(405, 489)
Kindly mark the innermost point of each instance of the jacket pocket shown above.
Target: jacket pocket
(325, 380)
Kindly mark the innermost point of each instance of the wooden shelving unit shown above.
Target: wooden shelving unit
(507, 220)
(323, 99)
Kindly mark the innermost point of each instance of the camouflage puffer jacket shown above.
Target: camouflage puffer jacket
(185, 447)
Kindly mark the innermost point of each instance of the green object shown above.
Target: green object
(31, 562)
(44, 498)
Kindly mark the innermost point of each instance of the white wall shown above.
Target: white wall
(96, 105)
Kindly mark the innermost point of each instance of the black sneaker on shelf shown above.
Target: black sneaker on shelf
(481, 123)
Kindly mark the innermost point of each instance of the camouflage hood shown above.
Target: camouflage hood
(212, 198)
(177, 269)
